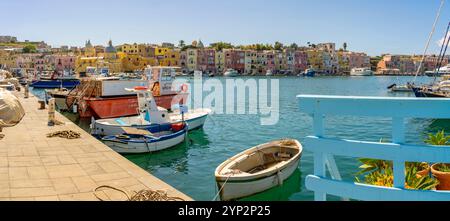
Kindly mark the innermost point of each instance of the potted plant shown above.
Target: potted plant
(384, 177)
(440, 171)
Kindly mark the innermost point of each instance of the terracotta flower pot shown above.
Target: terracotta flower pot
(423, 172)
(443, 177)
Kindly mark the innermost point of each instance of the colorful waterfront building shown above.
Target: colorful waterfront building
(250, 61)
(270, 60)
(192, 59)
(171, 58)
(183, 61)
(206, 60)
(132, 49)
(235, 59)
(63, 62)
(220, 61)
(300, 61)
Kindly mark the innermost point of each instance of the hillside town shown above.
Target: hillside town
(257, 59)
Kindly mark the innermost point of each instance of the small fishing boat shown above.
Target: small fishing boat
(60, 95)
(231, 73)
(159, 138)
(309, 73)
(400, 88)
(150, 115)
(361, 72)
(258, 169)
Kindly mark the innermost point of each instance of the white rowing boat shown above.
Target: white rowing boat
(258, 169)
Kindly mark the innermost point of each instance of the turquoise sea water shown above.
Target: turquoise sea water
(191, 168)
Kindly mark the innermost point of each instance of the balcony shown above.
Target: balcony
(399, 152)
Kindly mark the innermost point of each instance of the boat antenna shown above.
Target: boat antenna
(442, 53)
(429, 40)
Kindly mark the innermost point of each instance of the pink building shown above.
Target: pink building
(300, 61)
(358, 60)
(206, 60)
(235, 59)
(63, 62)
(270, 60)
(183, 61)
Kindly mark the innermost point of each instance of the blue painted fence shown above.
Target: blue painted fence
(398, 151)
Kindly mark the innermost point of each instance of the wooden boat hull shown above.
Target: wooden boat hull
(237, 190)
(236, 177)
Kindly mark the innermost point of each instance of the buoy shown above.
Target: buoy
(140, 88)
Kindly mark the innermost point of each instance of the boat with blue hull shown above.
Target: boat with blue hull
(309, 73)
(56, 83)
(156, 139)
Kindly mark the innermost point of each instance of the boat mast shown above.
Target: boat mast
(429, 40)
(442, 53)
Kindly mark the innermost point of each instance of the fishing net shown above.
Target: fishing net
(11, 111)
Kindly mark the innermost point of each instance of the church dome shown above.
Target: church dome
(110, 48)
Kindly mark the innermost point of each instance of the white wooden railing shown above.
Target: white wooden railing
(398, 151)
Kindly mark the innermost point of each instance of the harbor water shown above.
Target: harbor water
(190, 168)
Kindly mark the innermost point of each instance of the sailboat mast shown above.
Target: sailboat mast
(429, 39)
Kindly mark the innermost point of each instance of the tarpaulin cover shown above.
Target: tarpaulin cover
(11, 111)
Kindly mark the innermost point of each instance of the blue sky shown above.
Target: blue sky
(372, 26)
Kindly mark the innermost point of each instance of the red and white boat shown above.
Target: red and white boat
(107, 98)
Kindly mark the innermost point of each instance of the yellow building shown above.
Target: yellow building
(7, 59)
(192, 59)
(170, 58)
(130, 49)
(315, 59)
(109, 59)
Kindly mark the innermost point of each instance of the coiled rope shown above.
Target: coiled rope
(68, 134)
(142, 195)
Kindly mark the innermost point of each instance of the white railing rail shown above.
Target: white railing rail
(324, 149)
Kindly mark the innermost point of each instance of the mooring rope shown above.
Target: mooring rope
(68, 134)
(223, 186)
(142, 195)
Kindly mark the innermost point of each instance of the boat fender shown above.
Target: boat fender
(280, 179)
(184, 88)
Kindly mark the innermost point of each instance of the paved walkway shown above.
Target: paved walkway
(34, 167)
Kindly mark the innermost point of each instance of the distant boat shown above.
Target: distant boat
(144, 141)
(56, 83)
(269, 73)
(231, 73)
(439, 71)
(401, 88)
(258, 169)
(361, 72)
(309, 72)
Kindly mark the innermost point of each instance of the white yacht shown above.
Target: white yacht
(361, 72)
(439, 71)
(231, 73)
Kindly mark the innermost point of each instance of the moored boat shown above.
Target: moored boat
(230, 73)
(150, 115)
(158, 138)
(258, 169)
(106, 97)
(309, 73)
(60, 95)
(361, 72)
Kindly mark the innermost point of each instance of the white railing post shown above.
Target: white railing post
(398, 137)
(319, 158)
